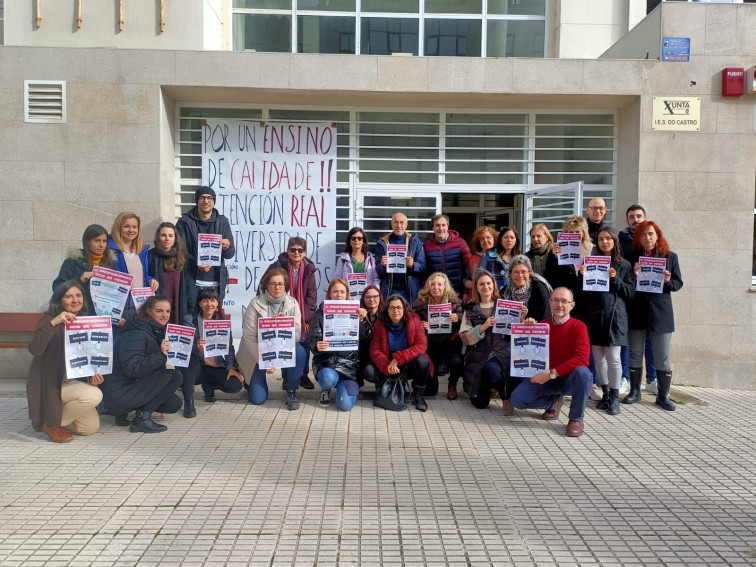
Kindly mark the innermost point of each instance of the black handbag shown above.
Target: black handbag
(389, 394)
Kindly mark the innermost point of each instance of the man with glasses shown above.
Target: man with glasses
(568, 373)
(303, 289)
(408, 284)
(596, 211)
(204, 218)
(446, 252)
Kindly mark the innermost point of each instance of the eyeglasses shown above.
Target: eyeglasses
(597, 208)
(371, 297)
(561, 301)
(296, 250)
(276, 284)
(356, 238)
(206, 198)
(396, 308)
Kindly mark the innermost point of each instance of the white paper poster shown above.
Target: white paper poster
(357, 284)
(341, 324)
(571, 244)
(209, 249)
(396, 259)
(651, 276)
(596, 276)
(139, 295)
(438, 318)
(89, 347)
(182, 340)
(530, 350)
(110, 290)
(217, 334)
(275, 342)
(507, 313)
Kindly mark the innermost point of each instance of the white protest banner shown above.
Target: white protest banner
(530, 350)
(89, 347)
(507, 313)
(438, 318)
(209, 249)
(596, 276)
(275, 342)
(110, 290)
(357, 284)
(396, 261)
(217, 334)
(272, 181)
(182, 340)
(651, 276)
(341, 324)
(139, 295)
(571, 248)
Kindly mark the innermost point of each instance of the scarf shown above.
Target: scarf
(275, 306)
(170, 259)
(158, 330)
(511, 292)
(297, 290)
(538, 257)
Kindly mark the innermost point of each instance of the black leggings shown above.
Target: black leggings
(493, 376)
(451, 354)
(166, 401)
(416, 370)
(215, 378)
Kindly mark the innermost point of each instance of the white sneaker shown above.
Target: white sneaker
(624, 388)
(651, 388)
(596, 393)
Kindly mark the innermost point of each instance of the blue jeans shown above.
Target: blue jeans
(650, 364)
(258, 383)
(577, 384)
(346, 390)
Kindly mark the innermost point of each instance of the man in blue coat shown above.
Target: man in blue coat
(446, 252)
(408, 284)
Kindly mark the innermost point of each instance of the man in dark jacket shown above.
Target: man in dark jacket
(204, 218)
(595, 212)
(446, 252)
(408, 284)
(635, 215)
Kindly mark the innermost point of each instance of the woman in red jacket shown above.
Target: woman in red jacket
(399, 344)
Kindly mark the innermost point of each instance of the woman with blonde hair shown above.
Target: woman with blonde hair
(443, 348)
(568, 276)
(130, 250)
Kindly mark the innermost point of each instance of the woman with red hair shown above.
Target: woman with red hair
(651, 313)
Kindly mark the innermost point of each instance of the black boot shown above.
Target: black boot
(635, 384)
(291, 400)
(418, 399)
(123, 420)
(189, 410)
(603, 403)
(144, 424)
(209, 393)
(613, 408)
(664, 381)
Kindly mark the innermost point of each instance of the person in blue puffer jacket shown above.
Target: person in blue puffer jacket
(447, 253)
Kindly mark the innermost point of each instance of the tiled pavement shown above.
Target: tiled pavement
(243, 485)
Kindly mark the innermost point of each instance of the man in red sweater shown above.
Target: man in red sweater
(568, 373)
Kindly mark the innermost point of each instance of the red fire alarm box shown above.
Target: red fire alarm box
(733, 81)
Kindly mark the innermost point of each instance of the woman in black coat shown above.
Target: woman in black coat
(605, 315)
(334, 368)
(371, 303)
(168, 265)
(652, 313)
(140, 379)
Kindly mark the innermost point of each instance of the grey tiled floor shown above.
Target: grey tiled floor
(243, 485)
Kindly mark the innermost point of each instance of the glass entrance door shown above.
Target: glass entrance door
(551, 206)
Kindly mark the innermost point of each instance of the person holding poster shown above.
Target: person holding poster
(78, 266)
(274, 301)
(334, 368)
(55, 402)
(443, 348)
(169, 266)
(605, 315)
(131, 253)
(407, 284)
(567, 275)
(371, 304)
(357, 259)
(541, 242)
(303, 290)
(140, 380)
(204, 218)
(568, 373)
(497, 261)
(446, 252)
(487, 355)
(213, 372)
(651, 314)
(483, 240)
(399, 345)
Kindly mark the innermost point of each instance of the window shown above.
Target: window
(469, 28)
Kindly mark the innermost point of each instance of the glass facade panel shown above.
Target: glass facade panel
(327, 5)
(262, 32)
(453, 38)
(384, 36)
(515, 38)
(404, 6)
(453, 6)
(263, 4)
(517, 7)
(326, 34)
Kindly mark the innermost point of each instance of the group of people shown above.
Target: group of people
(591, 333)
